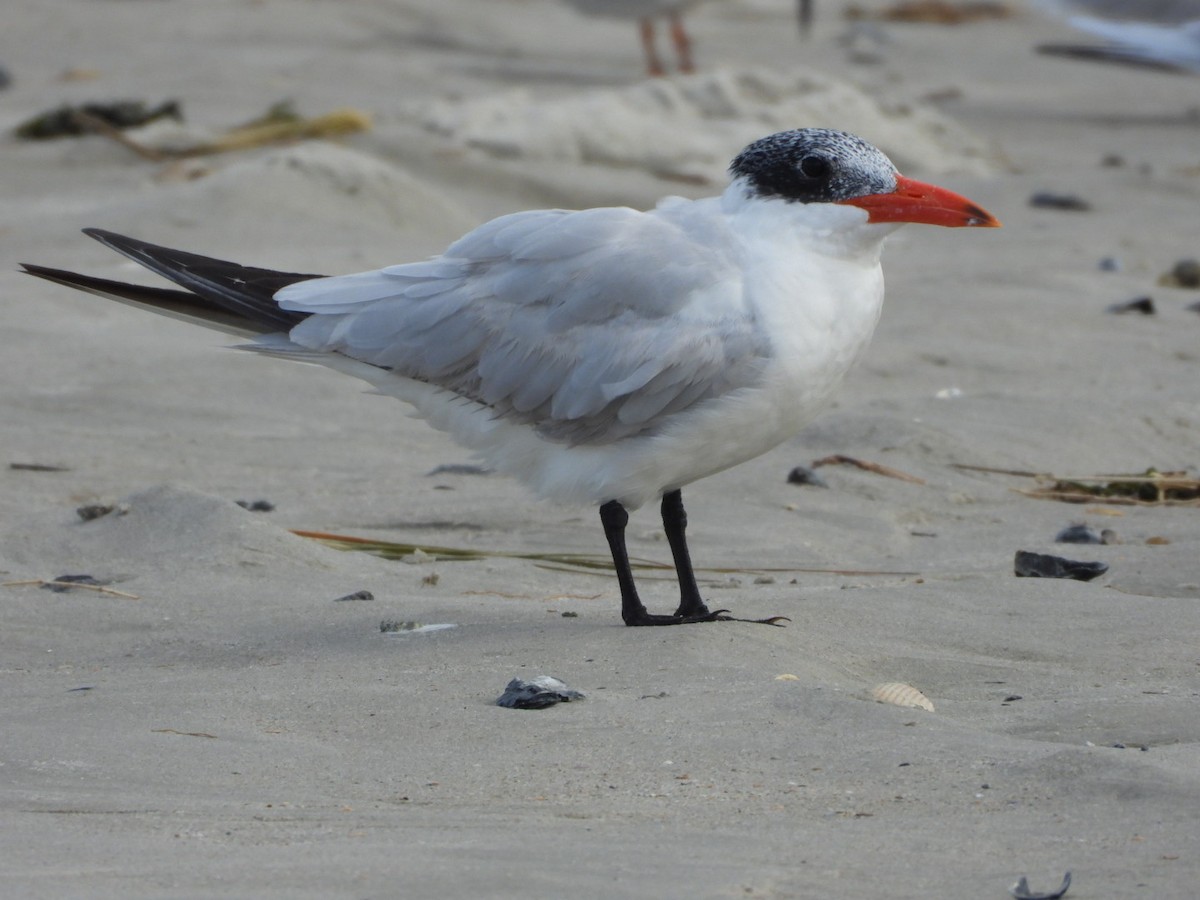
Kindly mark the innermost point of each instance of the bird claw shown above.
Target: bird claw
(770, 620)
(717, 615)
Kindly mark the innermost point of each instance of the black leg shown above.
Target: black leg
(675, 524)
(614, 517)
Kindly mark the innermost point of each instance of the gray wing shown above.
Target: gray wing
(1158, 12)
(591, 325)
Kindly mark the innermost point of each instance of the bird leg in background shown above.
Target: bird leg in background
(674, 524)
(654, 66)
(683, 44)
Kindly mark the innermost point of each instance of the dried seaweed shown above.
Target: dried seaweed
(562, 562)
(280, 124)
(74, 121)
(1149, 488)
(933, 12)
(840, 459)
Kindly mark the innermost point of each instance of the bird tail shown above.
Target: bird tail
(218, 294)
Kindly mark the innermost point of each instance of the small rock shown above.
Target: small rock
(91, 511)
(256, 505)
(1143, 305)
(64, 582)
(805, 475)
(1039, 565)
(357, 595)
(536, 693)
(457, 469)
(1185, 274)
(1067, 202)
(1078, 534)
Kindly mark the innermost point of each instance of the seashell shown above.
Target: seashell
(786, 676)
(898, 693)
(395, 626)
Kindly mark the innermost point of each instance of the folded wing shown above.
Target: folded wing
(590, 325)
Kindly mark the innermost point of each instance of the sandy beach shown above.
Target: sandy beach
(218, 723)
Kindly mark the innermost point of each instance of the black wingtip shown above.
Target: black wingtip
(177, 304)
(243, 291)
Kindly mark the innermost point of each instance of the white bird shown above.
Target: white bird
(1155, 33)
(645, 12)
(607, 355)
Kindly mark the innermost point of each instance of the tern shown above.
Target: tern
(1161, 34)
(608, 356)
(645, 12)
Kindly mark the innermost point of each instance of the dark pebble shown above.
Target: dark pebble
(536, 693)
(90, 511)
(256, 505)
(1039, 565)
(805, 475)
(457, 469)
(1185, 274)
(1143, 305)
(357, 595)
(1069, 202)
(64, 582)
(1078, 534)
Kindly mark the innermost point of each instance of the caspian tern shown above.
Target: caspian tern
(1154, 33)
(645, 12)
(607, 355)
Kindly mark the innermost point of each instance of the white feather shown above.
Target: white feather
(612, 354)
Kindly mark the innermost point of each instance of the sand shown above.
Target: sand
(238, 731)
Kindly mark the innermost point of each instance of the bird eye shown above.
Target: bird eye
(815, 167)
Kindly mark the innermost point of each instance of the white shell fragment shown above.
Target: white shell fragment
(898, 693)
(407, 627)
